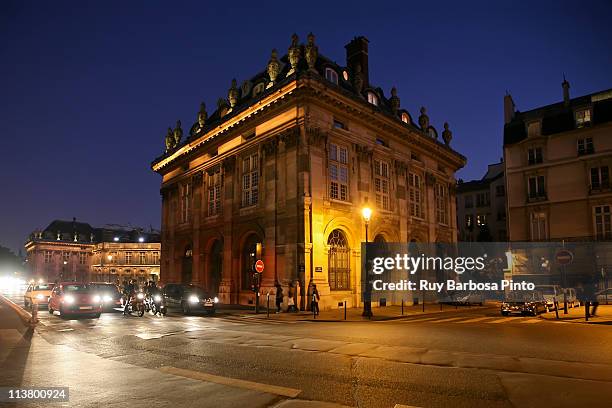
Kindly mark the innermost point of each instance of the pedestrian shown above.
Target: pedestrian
(279, 297)
(314, 300)
(291, 299)
(594, 301)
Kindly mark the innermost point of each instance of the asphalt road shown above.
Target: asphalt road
(469, 357)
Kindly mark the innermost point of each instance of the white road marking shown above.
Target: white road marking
(232, 382)
(448, 320)
(501, 320)
(478, 319)
(533, 321)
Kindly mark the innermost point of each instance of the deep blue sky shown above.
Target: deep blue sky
(89, 88)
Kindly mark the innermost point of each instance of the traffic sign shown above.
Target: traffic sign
(564, 257)
(259, 266)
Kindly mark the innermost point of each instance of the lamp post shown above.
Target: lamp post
(63, 271)
(366, 212)
(110, 258)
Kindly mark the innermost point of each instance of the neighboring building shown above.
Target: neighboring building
(71, 250)
(282, 169)
(481, 207)
(557, 164)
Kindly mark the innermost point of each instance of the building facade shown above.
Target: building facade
(281, 171)
(557, 162)
(481, 207)
(75, 251)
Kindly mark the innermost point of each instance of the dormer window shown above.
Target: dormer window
(405, 118)
(345, 75)
(339, 125)
(373, 98)
(582, 117)
(331, 75)
(533, 129)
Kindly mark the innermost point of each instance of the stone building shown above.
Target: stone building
(281, 170)
(481, 207)
(557, 165)
(76, 251)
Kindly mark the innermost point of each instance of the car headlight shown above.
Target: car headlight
(40, 297)
(107, 298)
(97, 299)
(69, 299)
(193, 299)
(216, 299)
(140, 296)
(157, 298)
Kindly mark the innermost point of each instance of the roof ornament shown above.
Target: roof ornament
(232, 94)
(169, 140)
(178, 133)
(423, 119)
(447, 135)
(312, 52)
(294, 54)
(202, 115)
(358, 79)
(394, 100)
(222, 107)
(273, 68)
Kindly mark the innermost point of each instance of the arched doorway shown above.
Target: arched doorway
(249, 257)
(187, 265)
(216, 265)
(338, 261)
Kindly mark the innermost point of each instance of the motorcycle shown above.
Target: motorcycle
(135, 305)
(155, 304)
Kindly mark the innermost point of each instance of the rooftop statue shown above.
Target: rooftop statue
(394, 100)
(273, 68)
(178, 133)
(423, 119)
(447, 135)
(232, 94)
(202, 115)
(294, 54)
(312, 52)
(169, 140)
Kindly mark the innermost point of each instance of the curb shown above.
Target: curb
(24, 315)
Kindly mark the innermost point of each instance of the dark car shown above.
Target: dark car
(189, 298)
(523, 303)
(109, 293)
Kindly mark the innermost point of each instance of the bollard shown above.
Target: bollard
(564, 303)
(423, 296)
(587, 306)
(268, 306)
(556, 307)
(402, 306)
(34, 318)
(345, 310)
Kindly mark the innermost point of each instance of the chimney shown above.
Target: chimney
(509, 108)
(566, 95)
(357, 54)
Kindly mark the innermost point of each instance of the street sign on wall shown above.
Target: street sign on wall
(259, 266)
(564, 257)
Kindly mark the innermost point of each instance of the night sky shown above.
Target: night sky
(89, 88)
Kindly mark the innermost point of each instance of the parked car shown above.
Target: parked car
(551, 293)
(109, 293)
(470, 298)
(72, 298)
(604, 296)
(523, 303)
(37, 293)
(189, 298)
(570, 297)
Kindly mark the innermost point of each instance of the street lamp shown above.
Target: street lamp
(64, 270)
(110, 258)
(366, 213)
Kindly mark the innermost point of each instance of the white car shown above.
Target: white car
(551, 293)
(604, 296)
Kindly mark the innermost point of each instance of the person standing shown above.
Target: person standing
(291, 299)
(314, 300)
(279, 297)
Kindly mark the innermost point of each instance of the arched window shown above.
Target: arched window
(339, 266)
(373, 98)
(405, 118)
(331, 75)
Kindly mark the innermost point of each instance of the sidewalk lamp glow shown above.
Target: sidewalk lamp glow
(366, 212)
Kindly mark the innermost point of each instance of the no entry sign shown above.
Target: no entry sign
(564, 257)
(259, 266)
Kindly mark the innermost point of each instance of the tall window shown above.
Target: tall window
(468, 201)
(481, 220)
(339, 266)
(128, 258)
(536, 187)
(372, 98)
(214, 192)
(185, 202)
(331, 75)
(469, 221)
(381, 184)
(441, 193)
(582, 117)
(538, 226)
(600, 178)
(415, 190)
(534, 155)
(603, 227)
(338, 172)
(250, 180)
(155, 258)
(143, 258)
(483, 199)
(585, 146)
(66, 256)
(48, 255)
(82, 258)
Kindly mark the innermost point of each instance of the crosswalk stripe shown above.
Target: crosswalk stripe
(532, 321)
(478, 319)
(448, 320)
(499, 320)
(419, 320)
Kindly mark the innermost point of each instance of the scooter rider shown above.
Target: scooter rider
(129, 291)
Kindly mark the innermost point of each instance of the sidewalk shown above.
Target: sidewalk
(352, 314)
(576, 315)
